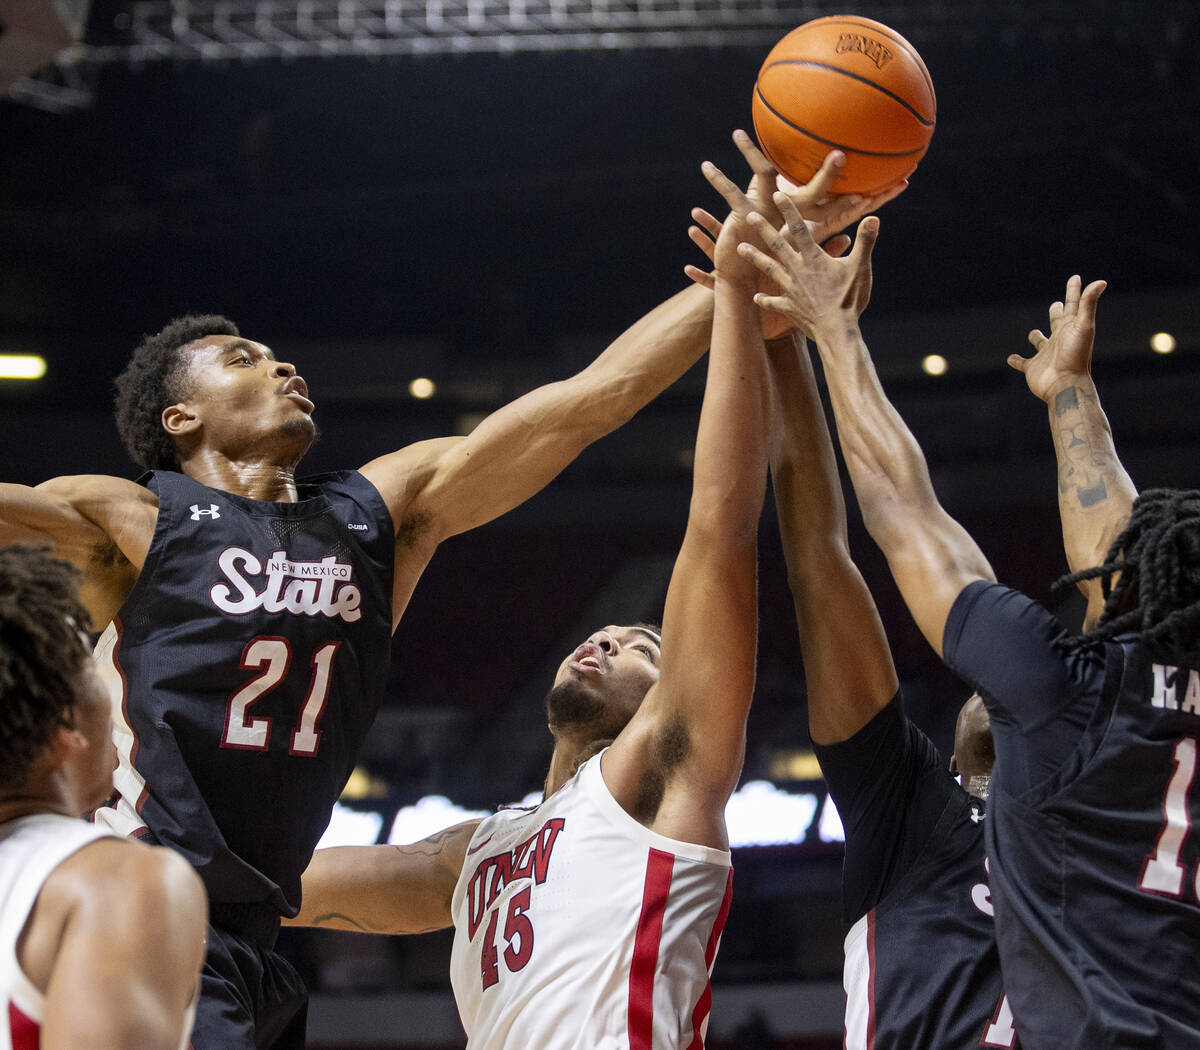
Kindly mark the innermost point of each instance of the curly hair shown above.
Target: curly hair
(42, 653)
(152, 380)
(1156, 565)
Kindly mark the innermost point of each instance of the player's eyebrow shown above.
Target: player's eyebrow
(649, 634)
(247, 345)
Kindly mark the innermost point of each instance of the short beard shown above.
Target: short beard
(569, 707)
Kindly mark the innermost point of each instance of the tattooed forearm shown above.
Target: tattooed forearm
(1086, 460)
(1094, 492)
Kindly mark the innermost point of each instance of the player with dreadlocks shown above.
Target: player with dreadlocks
(101, 938)
(1160, 545)
(1092, 869)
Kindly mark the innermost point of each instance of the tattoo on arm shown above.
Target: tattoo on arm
(1083, 466)
(336, 918)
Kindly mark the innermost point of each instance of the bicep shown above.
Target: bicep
(43, 514)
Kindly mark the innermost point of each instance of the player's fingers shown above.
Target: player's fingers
(1017, 361)
(880, 199)
(762, 168)
(766, 263)
(864, 242)
(1056, 313)
(1071, 296)
(801, 238)
(837, 246)
(707, 222)
(700, 277)
(1090, 299)
(1036, 339)
(776, 303)
(820, 185)
(703, 241)
(727, 189)
(782, 242)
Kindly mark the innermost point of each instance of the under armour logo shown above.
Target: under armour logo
(213, 511)
(976, 815)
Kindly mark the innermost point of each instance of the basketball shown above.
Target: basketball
(845, 83)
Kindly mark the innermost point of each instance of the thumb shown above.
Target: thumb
(864, 242)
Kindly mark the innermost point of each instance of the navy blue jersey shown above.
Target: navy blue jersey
(247, 665)
(1093, 867)
(922, 969)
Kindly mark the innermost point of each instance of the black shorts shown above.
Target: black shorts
(251, 998)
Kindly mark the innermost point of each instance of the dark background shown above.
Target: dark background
(491, 221)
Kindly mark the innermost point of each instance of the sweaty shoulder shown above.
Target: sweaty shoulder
(143, 879)
(111, 892)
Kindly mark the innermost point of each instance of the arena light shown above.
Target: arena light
(758, 814)
(1162, 342)
(431, 814)
(422, 388)
(22, 366)
(934, 365)
(351, 827)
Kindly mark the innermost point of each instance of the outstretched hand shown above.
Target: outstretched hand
(816, 290)
(1066, 352)
(826, 213)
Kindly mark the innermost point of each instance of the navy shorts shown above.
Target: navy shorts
(251, 998)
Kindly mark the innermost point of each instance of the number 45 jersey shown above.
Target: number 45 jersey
(576, 928)
(245, 669)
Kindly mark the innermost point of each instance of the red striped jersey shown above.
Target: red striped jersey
(576, 928)
(30, 849)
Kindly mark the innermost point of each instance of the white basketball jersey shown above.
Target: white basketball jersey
(30, 849)
(576, 928)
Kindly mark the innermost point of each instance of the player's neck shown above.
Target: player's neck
(13, 807)
(253, 479)
(562, 766)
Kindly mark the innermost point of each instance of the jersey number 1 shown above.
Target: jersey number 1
(274, 656)
(1162, 872)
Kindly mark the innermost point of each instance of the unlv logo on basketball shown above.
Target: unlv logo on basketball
(307, 588)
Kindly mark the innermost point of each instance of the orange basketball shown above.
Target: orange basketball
(845, 83)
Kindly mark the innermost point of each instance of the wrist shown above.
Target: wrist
(1071, 381)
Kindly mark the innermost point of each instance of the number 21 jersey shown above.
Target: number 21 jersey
(246, 667)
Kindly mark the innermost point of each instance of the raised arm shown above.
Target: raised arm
(1095, 493)
(129, 949)
(102, 525)
(847, 663)
(451, 485)
(437, 489)
(931, 556)
(385, 889)
(677, 762)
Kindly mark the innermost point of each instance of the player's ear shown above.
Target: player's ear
(954, 770)
(179, 419)
(65, 743)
